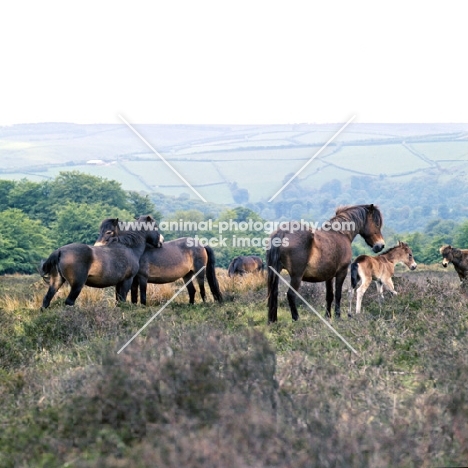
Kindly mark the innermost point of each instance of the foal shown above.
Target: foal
(379, 268)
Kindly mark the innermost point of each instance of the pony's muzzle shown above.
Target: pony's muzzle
(378, 246)
(445, 263)
(413, 266)
(99, 244)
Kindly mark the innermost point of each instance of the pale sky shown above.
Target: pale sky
(236, 62)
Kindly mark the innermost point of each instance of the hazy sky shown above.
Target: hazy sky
(237, 62)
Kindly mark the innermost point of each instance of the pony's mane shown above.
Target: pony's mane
(131, 238)
(126, 238)
(358, 214)
(445, 247)
(391, 249)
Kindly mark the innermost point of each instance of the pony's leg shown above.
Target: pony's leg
(388, 283)
(360, 292)
(350, 299)
(190, 287)
(74, 293)
(339, 280)
(54, 285)
(143, 283)
(122, 289)
(295, 283)
(379, 286)
(201, 285)
(329, 296)
(134, 289)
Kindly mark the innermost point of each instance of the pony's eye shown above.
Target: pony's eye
(109, 233)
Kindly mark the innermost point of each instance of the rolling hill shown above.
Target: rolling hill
(216, 159)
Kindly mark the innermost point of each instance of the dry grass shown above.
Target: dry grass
(14, 301)
(207, 386)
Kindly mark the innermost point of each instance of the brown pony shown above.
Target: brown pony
(179, 258)
(322, 255)
(99, 266)
(380, 268)
(459, 258)
(245, 264)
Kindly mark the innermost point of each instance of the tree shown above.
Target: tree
(460, 238)
(142, 205)
(79, 222)
(5, 188)
(84, 188)
(33, 198)
(333, 188)
(23, 242)
(183, 219)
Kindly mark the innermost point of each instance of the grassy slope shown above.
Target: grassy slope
(211, 385)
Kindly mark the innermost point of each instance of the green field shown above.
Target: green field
(256, 158)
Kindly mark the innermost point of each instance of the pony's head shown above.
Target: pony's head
(367, 221)
(405, 255)
(130, 233)
(108, 232)
(371, 231)
(449, 254)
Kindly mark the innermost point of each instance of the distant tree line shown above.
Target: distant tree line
(408, 206)
(38, 217)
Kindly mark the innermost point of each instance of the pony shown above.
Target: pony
(179, 258)
(320, 255)
(459, 258)
(113, 261)
(175, 259)
(245, 264)
(380, 268)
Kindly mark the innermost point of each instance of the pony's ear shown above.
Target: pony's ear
(371, 207)
(115, 221)
(399, 243)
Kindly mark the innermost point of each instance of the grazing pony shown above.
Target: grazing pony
(381, 269)
(322, 255)
(459, 258)
(98, 266)
(245, 264)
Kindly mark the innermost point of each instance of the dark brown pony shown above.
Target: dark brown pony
(380, 268)
(99, 266)
(459, 258)
(179, 258)
(322, 255)
(245, 264)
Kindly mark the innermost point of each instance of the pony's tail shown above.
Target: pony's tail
(355, 274)
(49, 265)
(273, 262)
(211, 275)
